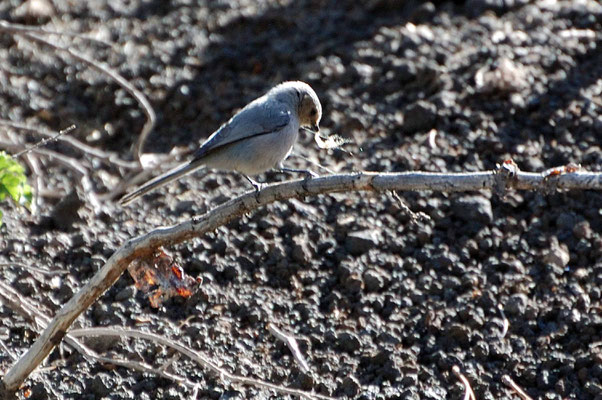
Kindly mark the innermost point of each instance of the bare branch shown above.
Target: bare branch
(193, 355)
(506, 380)
(504, 177)
(291, 342)
(468, 394)
(110, 157)
(46, 140)
(505, 322)
(8, 351)
(414, 217)
(31, 268)
(33, 313)
(17, 28)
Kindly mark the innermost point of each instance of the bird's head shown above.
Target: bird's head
(309, 109)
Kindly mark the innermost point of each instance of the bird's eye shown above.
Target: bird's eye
(313, 112)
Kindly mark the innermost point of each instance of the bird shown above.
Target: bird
(256, 139)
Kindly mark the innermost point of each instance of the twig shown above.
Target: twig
(223, 214)
(291, 342)
(193, 355)
(505, 322)
(33, 269)
(138, 175)
(110, 157)
(170, 362)
(44, 141)
(75, 165)
(414, 217)
(506, 380)
(468, 394)
(312, 162)
(33, 163)
(17, 28)
(8, 351)
(121, 81)
(33, 312)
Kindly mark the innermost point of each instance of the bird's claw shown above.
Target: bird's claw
(309, 174)
(256, 185)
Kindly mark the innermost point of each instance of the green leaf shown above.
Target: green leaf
(13, 181)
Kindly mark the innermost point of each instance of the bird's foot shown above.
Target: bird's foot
(257, 185)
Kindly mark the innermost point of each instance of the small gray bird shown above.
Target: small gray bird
(258, 138)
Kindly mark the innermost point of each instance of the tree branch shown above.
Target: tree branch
(507, 176)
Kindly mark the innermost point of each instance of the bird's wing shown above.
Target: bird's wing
(258, 118)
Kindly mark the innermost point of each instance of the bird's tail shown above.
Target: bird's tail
(161, 180)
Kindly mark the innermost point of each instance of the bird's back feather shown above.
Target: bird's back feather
(260, 117)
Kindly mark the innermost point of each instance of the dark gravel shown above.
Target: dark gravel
(383, 308)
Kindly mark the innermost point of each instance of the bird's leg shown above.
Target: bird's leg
(308, 173)
(257, 185)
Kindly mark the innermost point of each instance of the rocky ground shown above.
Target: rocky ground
(383, 308)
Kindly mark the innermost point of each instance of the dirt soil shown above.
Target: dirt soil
(383, 308)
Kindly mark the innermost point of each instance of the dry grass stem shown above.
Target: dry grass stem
(414, 217)
(74, 143)
(195, 356)
(505, 322)
(33, 312)
(17, 28)
(44, 141)
(292, 344)
(506, 380)
(31, 268)
(468, 394)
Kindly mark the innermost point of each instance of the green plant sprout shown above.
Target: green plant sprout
(13, 182)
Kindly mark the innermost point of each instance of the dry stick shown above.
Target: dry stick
(469, 394)
(17, 28)
(44, 141)
(415, 217)
(121, 81)
(8, 351)
(33, 312)
(500, 179)
(506, 323)
(33, 163)
(75, 165)
(291, 342)
(110, 157)
(162, 163)
(31, 268)
(170, 362)
(312, 162)
(506, 380)
(193, 355)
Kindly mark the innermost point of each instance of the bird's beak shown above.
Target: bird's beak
(314, 128)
